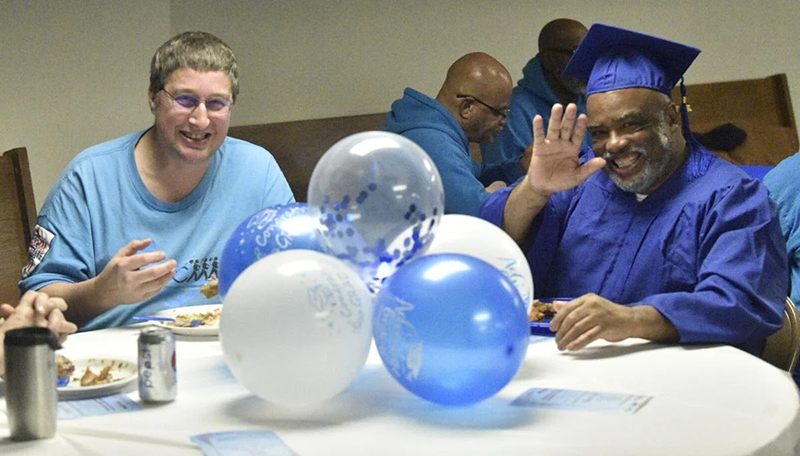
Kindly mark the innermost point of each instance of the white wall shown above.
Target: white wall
(76, 74)
(73, 74)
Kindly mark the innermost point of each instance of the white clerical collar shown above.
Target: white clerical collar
(641, 196)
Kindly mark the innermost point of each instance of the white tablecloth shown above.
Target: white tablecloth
(705, 401)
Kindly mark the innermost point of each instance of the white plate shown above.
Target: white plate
(123, 373)
(204, 330)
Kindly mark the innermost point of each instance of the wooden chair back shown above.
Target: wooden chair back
(298, 145)
(762, 107)
(17, 219)
(783, 347)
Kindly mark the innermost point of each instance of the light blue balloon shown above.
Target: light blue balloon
(270, 230)
(376, 199)
(450, 328)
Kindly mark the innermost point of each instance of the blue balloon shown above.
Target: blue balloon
(450, 328)
(270, 230)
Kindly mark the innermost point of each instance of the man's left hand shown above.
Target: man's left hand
(590, 317)
(583, 320)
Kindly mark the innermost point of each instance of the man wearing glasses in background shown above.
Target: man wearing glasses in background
(471, 106)
(136, 225)
(543, 84)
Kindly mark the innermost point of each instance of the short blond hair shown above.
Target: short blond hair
(199, 51)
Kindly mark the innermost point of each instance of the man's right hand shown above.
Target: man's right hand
(131, 277)
(554, 164)
(554, 167)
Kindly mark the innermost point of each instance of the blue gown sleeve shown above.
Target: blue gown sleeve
(495, 206)
(545, 233)
(741, 271)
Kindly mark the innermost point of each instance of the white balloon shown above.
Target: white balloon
(481, 239)
(296, 327)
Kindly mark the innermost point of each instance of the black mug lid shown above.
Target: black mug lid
(27, 337)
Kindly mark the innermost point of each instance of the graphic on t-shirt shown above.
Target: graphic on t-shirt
(40, 245)
(197, 270)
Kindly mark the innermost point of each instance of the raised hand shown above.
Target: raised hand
(554, 167)
(554, 164)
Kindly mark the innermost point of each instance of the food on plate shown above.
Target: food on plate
(64, 366)
(69, 375)
(210, 289)
(188, 320)
(541, 311)
(90, 378)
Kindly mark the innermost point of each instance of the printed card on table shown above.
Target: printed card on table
(117, 403)
(242, 443)
(582, 401)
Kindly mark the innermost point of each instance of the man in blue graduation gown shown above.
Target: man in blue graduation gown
(668, 242)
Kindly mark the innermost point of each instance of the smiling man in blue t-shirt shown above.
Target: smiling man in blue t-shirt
(137, 224)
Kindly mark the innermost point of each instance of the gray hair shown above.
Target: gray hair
(199, 51)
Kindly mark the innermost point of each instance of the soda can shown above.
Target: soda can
(158, 379)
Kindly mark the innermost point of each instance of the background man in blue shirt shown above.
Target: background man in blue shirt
(471, 107)
(543, 84)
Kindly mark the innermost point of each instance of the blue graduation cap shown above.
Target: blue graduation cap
(612, 58)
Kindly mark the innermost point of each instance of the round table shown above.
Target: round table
(705, 400)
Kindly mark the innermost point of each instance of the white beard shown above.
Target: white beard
(657, 164)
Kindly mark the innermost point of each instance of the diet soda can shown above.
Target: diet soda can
(158, 380)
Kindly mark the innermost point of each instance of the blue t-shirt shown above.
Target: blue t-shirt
(783, 183)
(100, 203)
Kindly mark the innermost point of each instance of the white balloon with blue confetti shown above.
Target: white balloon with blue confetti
(376, 200)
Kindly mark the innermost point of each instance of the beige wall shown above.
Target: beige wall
(75, 73)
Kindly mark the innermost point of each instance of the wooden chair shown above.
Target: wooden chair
(761, 107)
(17, 219)
(783, 347)
(298, 145)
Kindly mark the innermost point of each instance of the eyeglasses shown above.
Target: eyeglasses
(189, 103)
(498, 112)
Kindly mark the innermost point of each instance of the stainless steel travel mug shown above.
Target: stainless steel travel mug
(30, 386)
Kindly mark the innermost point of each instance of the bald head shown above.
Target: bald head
(557, 41)
(474, 73)
(560, 33)
(477, 91)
